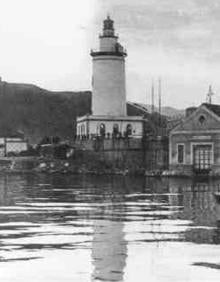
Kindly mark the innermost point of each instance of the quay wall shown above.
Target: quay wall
(133, 154)
(112, 156)
(20, 164)
(186, 170)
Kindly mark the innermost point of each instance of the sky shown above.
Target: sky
(47, 43)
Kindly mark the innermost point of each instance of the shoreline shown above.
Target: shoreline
(100, 173)
(42, 165)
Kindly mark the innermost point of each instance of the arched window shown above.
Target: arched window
(102, 129)
(82, 129)
(129, 129)
(79, 130)
(202, 119)
(115, 129)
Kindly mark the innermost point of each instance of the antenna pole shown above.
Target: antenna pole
(159, 100)
(146, 98)
(209, 95)
(152, 97)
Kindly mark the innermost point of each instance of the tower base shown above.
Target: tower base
(91, 126)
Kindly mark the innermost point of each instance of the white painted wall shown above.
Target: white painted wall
(107, 44)
(82, 128)
(16, 147)
(92, 126)
(109, 92)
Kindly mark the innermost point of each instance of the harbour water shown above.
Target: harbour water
(57, 228)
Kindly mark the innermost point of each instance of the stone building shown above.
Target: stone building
(109, 110)
(195, 143)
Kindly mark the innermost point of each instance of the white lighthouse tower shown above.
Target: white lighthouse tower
(109, 108)
(108, 82)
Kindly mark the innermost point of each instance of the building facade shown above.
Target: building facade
(108, 127)
(195, 143)
(13, 145)
(109, 109)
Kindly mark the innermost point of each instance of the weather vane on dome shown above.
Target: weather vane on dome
(209, 95)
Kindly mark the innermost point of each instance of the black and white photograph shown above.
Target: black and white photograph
(110, 141)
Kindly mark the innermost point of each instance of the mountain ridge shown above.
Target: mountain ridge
(39, 112)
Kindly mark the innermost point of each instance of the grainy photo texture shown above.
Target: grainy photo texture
(110, 141)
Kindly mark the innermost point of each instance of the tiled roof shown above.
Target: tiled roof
(212, 107)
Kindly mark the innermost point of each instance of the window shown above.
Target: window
(202, 156)
(129, 129)
(102, 129)
(201, 119)
(180, 153)
(83, 129)
(115, 129)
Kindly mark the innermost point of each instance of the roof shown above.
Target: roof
(5, 134)
(135, 109)
(213, 108)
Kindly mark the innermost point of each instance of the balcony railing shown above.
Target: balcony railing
(119, 53)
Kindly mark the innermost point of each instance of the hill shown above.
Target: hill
(166, 111)
(38, 112)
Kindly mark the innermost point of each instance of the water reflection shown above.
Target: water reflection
(109, 251)
(107, 227)
(109, 247)
(199, 207)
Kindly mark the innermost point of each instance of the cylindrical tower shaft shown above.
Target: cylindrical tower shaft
(108, 89)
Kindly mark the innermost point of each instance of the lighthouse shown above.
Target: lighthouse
(108, 81)
(109, 108)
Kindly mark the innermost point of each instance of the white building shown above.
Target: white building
(109, 108)
(12, 145)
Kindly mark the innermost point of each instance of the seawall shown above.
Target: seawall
(130, 154)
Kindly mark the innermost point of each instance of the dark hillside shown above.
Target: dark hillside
(38, 112)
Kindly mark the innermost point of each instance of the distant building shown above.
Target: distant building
(195, 142)
(12, 144)
(109, 111)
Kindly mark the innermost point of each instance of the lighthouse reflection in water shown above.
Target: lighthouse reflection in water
(87, 228)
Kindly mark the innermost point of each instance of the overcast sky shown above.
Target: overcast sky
(47, 42)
